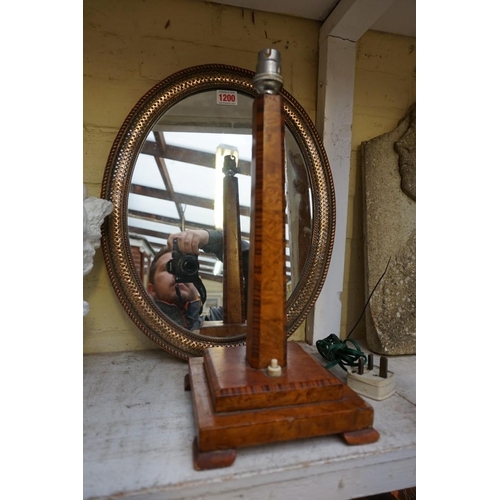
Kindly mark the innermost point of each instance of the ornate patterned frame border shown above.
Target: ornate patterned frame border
(115, 188)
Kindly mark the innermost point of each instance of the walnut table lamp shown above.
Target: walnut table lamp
(268, 390)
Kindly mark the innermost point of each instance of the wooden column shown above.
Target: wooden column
(266, 335)
(234, 322)
(234, 300)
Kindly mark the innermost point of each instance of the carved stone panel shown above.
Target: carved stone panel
(389, 183)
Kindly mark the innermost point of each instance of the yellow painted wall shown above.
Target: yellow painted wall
(129, 46)
(385, 87)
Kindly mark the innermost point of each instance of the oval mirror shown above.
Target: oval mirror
(162, 177)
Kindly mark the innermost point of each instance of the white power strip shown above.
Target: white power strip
(370, 383)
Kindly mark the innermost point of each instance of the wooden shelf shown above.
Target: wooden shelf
(139, 430)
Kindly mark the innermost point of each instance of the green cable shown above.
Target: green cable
(334, 350)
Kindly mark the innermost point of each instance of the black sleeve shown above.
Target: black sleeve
(214, 314)
(215, 246)
(215, 243)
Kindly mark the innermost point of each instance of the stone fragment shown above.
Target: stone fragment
(389, 185)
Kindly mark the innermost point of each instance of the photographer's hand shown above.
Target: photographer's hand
(189, 241)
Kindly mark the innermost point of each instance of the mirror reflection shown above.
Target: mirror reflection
(177, 190)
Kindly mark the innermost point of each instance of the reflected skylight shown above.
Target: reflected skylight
(151, 205)
(192, 179)
(208, 142)
(199, 215)
(146, 173)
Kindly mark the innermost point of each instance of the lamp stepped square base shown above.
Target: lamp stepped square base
(237, 406)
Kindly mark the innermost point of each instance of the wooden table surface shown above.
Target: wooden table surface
(138, 430)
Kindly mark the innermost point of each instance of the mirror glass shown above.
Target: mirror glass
(177, 184)
(163, 176)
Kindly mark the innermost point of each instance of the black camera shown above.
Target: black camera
(183, 267)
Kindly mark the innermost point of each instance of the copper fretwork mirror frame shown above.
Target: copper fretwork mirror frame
(116, 185)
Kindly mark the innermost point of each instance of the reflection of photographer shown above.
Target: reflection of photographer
(175, 293)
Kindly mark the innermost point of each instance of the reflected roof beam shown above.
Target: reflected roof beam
(160, 162)
(185, 199)
(185, 155)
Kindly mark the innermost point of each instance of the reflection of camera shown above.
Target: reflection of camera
(183, 267)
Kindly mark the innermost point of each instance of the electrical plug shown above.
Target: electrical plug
(375, 382)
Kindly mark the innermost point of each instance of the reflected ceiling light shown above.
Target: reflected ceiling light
(222, 151)
(218, 268)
